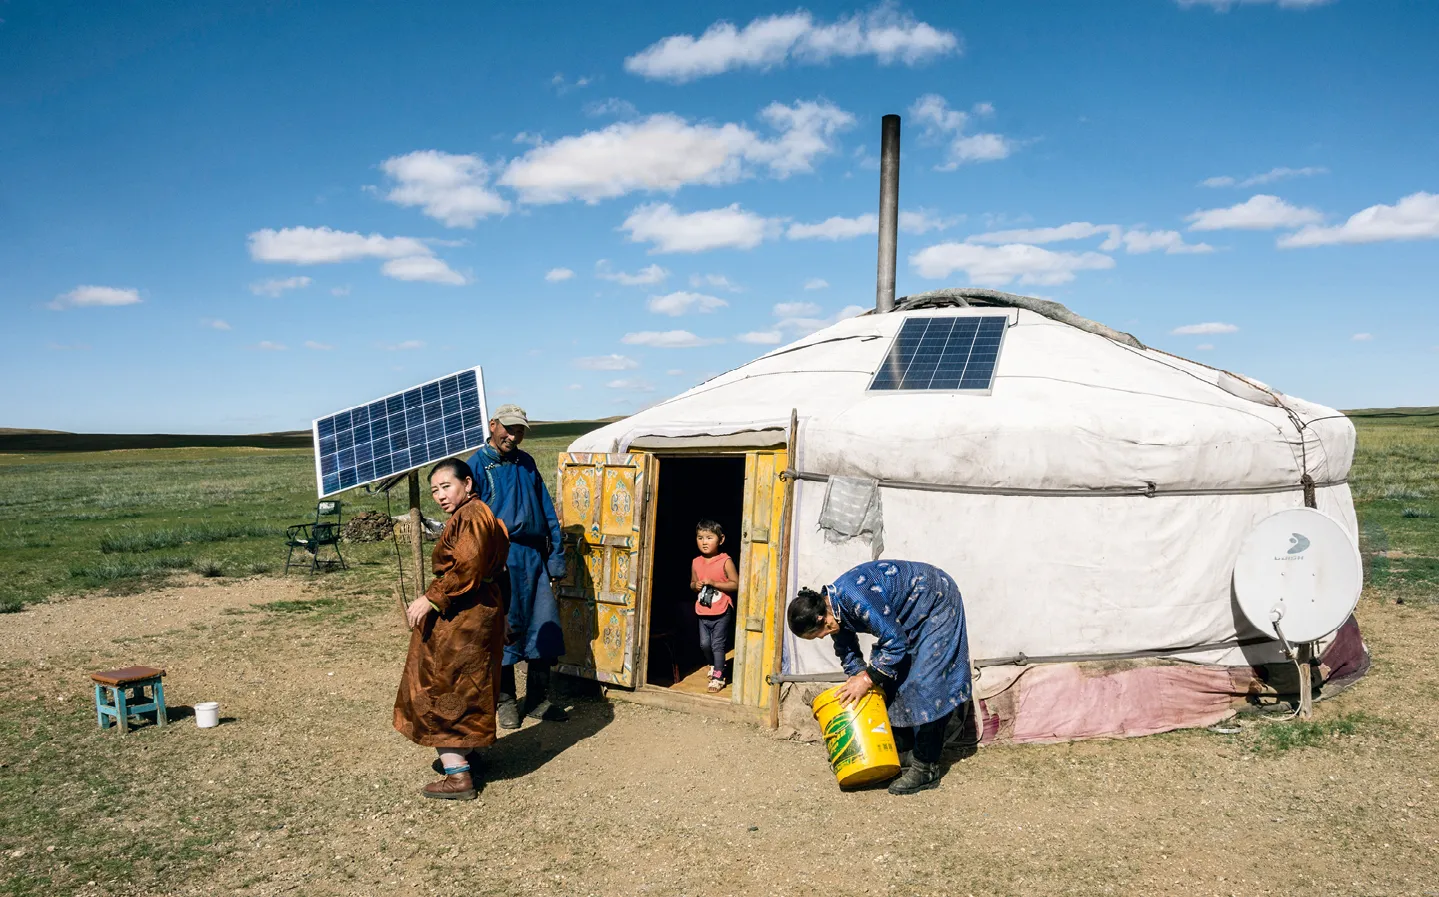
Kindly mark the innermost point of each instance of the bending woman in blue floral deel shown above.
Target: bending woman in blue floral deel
(920, 658)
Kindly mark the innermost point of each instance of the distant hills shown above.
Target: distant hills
(15, 440)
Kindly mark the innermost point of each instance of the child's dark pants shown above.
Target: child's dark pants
(714, 638)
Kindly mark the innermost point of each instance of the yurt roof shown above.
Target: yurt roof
(1074, 405)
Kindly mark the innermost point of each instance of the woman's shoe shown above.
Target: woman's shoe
(716, 685)
(919, 777)
(459, 786)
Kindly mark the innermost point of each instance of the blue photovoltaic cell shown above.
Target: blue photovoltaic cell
(435, 420)
(950, 353)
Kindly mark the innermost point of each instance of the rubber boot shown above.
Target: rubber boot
(537, 694)
(919, 777)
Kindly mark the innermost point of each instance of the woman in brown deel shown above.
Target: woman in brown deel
(451, 681)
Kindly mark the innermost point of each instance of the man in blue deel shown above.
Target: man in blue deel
(507, 480)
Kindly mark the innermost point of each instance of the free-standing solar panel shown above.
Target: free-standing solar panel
(400, 432)
(943, 353)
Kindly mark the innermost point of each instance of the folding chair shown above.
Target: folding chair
(312, 537)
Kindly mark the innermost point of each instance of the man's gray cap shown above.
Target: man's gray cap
(511, 416)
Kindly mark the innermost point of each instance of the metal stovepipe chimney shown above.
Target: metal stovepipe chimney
(888, 213)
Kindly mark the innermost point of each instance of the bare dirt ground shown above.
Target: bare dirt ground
(305, 788)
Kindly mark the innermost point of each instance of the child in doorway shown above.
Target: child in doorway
(714, 577)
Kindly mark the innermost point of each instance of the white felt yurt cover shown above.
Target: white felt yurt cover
(1092, 503)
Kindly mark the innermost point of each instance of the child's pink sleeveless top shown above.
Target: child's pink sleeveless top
(713, 570)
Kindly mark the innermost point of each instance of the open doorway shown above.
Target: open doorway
(690, 489)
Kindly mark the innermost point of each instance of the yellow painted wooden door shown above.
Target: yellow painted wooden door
(756, 625)
(602, 501)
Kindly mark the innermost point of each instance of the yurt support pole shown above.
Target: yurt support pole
(888, 213)
(417, 533)
(1148, 490)
(1025, 660)
(781, 592)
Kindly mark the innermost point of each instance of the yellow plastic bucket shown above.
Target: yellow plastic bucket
(858, 739)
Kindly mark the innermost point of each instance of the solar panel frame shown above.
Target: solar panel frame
(400, 432)
(919, 357)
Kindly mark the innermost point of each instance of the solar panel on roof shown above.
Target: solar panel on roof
(400, 432)
(943, 353)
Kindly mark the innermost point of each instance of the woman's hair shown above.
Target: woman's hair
(709, 526)
(460, 469)
(807, 612)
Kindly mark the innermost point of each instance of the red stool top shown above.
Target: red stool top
(126, 675)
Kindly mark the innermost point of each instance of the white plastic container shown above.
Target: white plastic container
(207, 714)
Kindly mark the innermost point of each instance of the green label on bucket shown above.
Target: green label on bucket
(840, 741)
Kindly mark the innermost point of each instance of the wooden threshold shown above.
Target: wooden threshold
(668, 699)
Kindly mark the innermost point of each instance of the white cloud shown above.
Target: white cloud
(674, 372)
(1362, 337)
(1259, 212)
(801, 318)
(796, 310)
(1268, 177)
(340, 291)
(421, 267)
(1415, 217)
(1138, 242)
(667, 339)
(1075, 230)
(273, 288)
(761, 337)
(528, 138)
(918, 221)
(606, 363)
(715, 280)
(836, 228)
(613, 106)
(563, 86)
(321, 245)
(94, 297)
(268, 346)
(681, 302)
(1209, 327)
(447, 187)
(632, 383)
(215, 323)
(1226, 5)
(886, 33)
(319, 347)
(647, 276)
(662, 153)
(555, 275)
(1135, 241)
(575, 386)
(409, 345)
(1204, 347)
(999, 265)
(816, 283)
(941, 122)
(670, 231)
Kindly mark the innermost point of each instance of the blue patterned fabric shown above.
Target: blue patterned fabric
(513, 488)
(916, 614)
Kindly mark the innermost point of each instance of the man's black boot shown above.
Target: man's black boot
(508, 713)
(537, 694)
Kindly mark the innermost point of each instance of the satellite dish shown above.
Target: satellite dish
(1298, 569)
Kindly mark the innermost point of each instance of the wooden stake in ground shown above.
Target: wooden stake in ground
(417, 533)
(1303, 654)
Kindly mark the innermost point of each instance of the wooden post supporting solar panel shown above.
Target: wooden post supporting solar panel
(417, 533)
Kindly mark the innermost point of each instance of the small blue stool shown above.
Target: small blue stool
(120, 694)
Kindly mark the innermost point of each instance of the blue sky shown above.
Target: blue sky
(237, 217)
